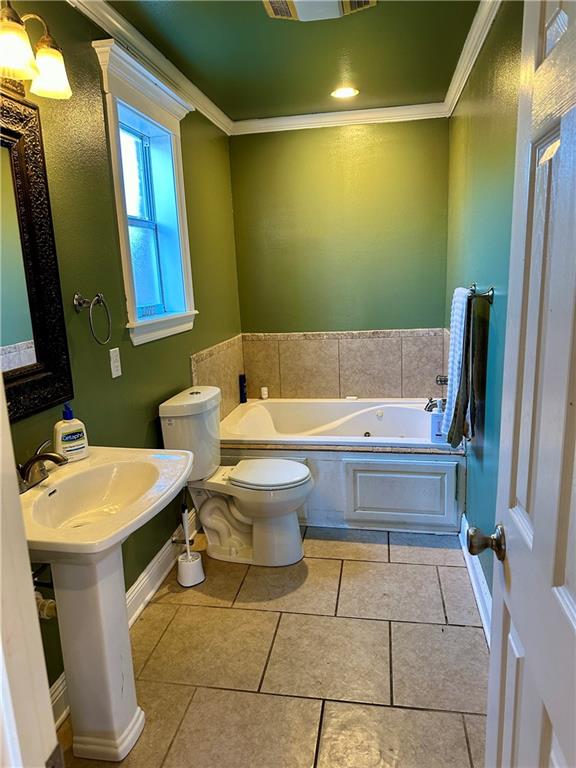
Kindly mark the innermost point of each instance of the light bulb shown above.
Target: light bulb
(16, 55)
(52, 80)
(346, 92)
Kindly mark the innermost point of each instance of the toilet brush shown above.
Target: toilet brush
(190, 571)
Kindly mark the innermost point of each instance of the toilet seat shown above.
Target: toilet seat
(268, 474)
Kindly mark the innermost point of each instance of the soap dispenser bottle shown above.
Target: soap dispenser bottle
(437, 417)
(70, 438)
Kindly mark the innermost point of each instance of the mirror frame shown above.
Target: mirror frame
(48, 381)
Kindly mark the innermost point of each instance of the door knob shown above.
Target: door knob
(477, 541)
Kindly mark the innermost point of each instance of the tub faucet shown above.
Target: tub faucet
(33, 471)
(435, 402)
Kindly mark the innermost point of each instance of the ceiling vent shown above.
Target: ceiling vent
(314, 10)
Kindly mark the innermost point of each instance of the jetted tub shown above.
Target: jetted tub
(374, 461)
(391, 422)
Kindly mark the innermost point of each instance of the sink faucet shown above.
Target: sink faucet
(33, 471)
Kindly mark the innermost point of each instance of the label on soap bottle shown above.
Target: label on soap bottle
(73, 441)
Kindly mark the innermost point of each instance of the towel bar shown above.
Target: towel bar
(488, 295)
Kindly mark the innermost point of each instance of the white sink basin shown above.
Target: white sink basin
(76, 520)
(89, 506)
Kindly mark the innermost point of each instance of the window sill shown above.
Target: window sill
(151, 330)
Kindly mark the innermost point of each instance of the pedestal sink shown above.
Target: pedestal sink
(76, 520)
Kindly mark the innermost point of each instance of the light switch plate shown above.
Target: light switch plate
(115, 365)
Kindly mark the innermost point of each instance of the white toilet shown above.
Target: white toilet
(250, 515)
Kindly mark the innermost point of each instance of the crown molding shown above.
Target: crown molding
(112, 22)
(477, 34)
(120, 68)
(346, 117)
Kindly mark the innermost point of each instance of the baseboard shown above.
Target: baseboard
(137, 598)
(479, 583)
(140, 593)
(59, 698)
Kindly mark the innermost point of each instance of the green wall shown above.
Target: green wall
(123, 411)
(482, 149)
(15, 321)
(336, 227)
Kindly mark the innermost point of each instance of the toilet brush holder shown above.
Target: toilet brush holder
(190, 570)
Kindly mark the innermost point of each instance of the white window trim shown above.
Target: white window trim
(126, 80)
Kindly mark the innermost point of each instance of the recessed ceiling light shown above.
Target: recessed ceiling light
(345, 93)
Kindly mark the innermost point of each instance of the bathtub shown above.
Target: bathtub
(355, 422)
(374, 461)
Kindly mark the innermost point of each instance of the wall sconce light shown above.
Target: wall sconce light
(46, 70)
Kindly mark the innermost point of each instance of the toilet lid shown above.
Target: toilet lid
(260, 474)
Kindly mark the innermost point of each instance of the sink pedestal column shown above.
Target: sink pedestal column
(91, 601)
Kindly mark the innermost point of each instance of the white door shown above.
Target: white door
(532, 690)
(27, 734)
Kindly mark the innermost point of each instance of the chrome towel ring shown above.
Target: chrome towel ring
(80, 303)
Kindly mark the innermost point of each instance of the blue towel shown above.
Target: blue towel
(458, 322)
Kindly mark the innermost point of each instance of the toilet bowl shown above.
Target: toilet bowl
(253, 516)
(250, 514)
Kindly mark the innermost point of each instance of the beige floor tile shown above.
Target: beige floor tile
(213, 646)
(360, 736)
(331, 658)
(459, 597)
(164, 706)
(310, 586)
(219, 588)
(393, 591)
(476, 729)
(146, 632)
(439, 667)
(230, 729)
(346, 544)
(425, 548)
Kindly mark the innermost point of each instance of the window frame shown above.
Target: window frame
(129, 83)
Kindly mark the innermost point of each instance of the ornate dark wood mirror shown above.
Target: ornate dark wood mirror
(33, 346)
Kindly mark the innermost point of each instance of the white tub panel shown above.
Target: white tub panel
(402, 493)
(410, 492)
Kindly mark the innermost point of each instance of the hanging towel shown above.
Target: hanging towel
(479, 324)
(457, 359)
(460, 427)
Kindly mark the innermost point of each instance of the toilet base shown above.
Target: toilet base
(277, 540)
(274, 541)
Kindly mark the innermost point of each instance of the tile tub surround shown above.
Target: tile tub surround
(385, 363)
(257, 667)
(220, 366)
(380, 363)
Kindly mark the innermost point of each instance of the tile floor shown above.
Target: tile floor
(367, 654)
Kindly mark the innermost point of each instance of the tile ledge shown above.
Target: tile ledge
(383, 333)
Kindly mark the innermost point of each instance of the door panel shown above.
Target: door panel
(531, 707)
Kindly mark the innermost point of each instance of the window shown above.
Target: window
(151, 210)
(144, 124)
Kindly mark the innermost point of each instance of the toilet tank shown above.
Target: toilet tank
(191, 422)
